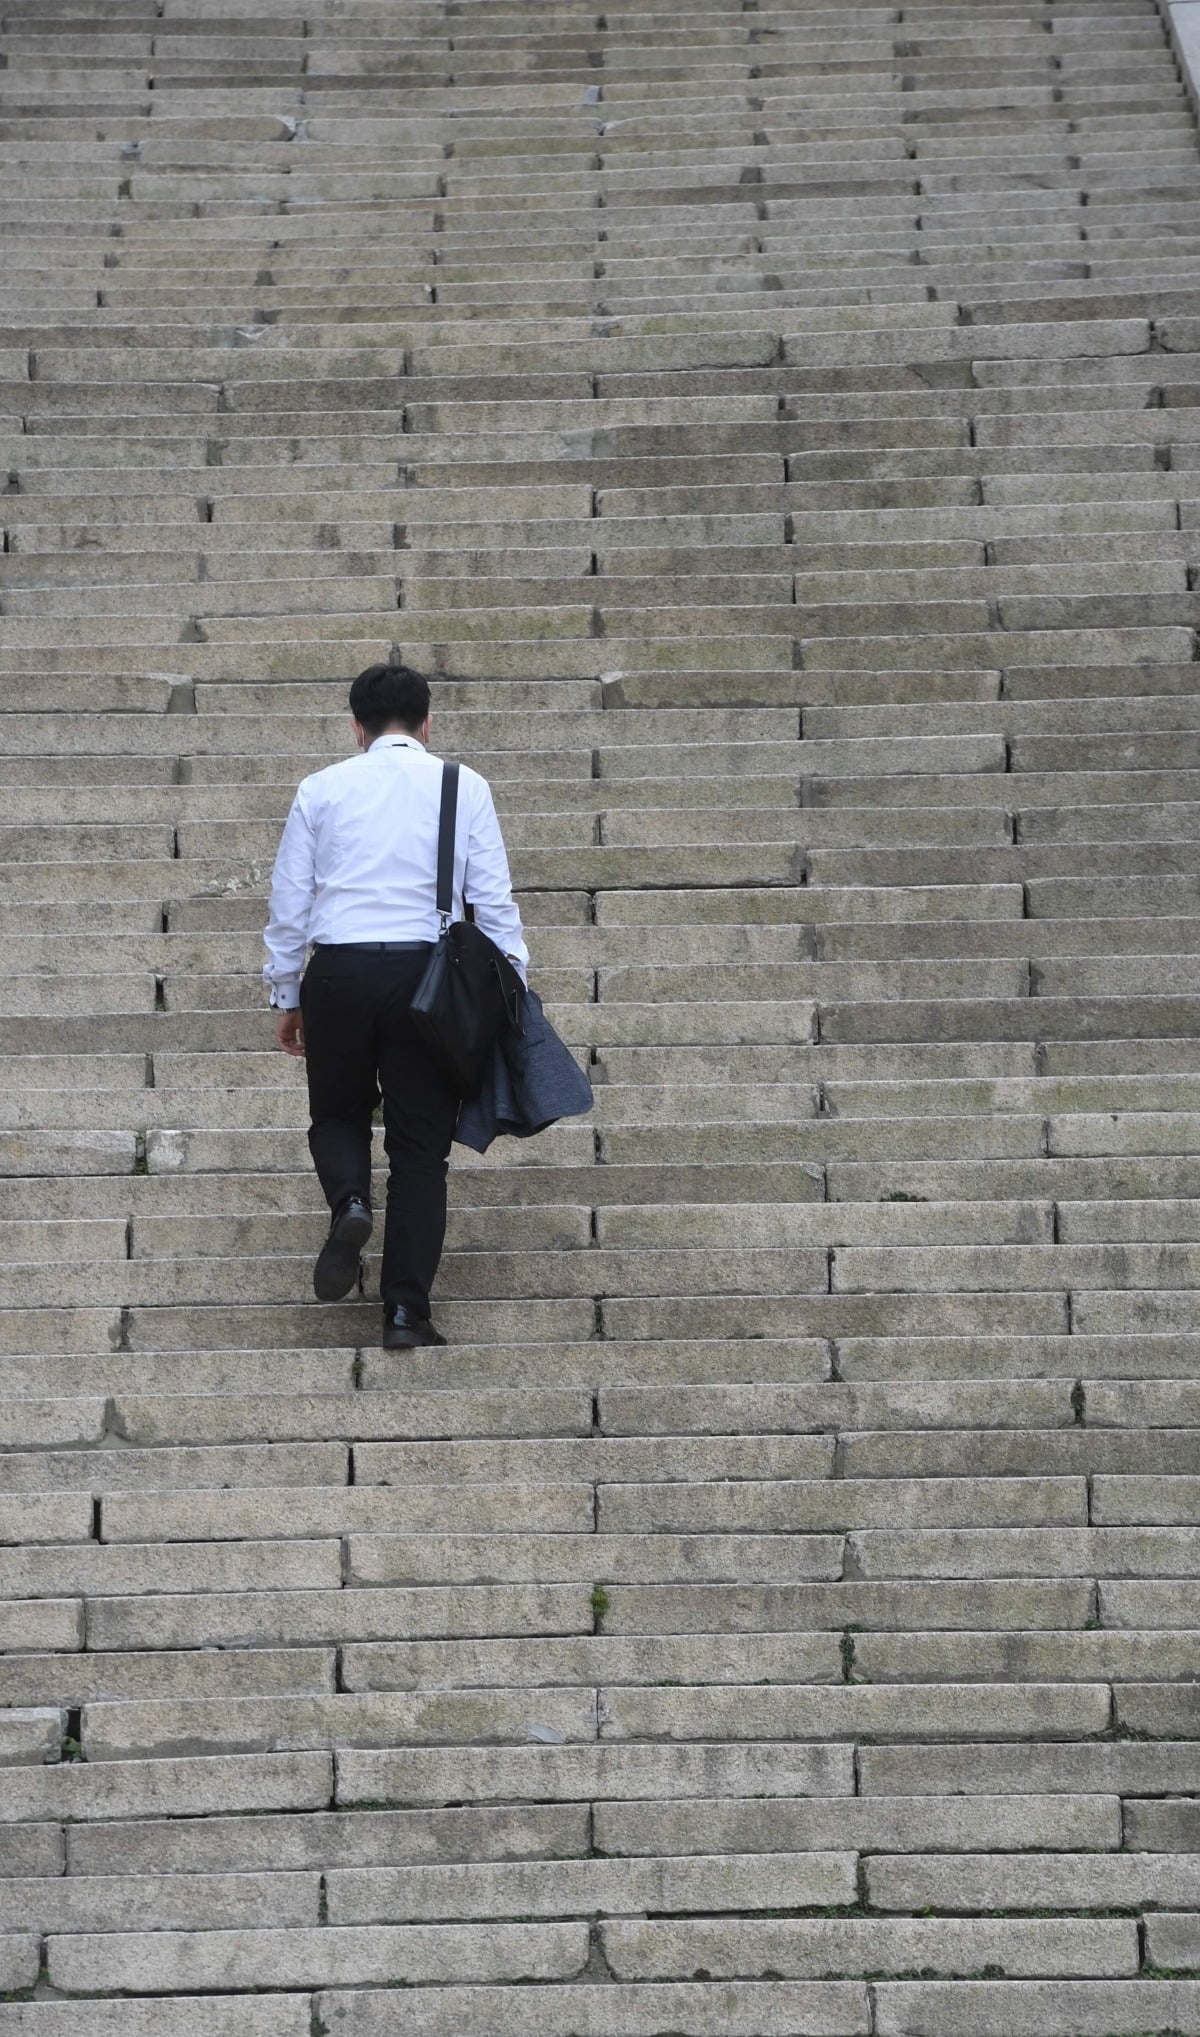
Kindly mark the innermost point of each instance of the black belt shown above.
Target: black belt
(371, 947)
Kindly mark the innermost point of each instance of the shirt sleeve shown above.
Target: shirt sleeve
(487, 884)
(293, 888)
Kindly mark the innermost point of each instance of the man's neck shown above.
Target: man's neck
(406, 735)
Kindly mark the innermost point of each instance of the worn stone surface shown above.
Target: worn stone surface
(775, 1611)
(181, 2016)
(784, 2009)
(150, 1962)
(1118, 2008)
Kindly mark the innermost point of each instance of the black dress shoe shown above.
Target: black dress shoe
(336, 1270)
(403, 1331)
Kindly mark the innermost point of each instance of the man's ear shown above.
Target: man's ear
(360, 734)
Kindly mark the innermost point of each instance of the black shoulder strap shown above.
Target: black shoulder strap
(445, 861)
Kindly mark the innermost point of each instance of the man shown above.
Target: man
(355, 880)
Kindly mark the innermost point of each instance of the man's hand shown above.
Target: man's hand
(289, 1031)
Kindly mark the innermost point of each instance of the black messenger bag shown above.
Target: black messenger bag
(469, 989)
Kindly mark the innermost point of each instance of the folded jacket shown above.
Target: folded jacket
(533, 1081)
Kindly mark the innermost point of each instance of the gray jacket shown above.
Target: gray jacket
(533, 1081)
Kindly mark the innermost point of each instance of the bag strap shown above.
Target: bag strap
(445, 854)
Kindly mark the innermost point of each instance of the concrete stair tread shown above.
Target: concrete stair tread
(776, 1608)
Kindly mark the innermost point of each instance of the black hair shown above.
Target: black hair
(386, 694)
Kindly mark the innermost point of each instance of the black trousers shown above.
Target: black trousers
(361, 1045)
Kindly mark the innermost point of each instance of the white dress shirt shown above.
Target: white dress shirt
(358, 861)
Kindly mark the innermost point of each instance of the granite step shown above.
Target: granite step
(816, 1480)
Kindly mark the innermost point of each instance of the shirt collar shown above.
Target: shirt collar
(392, 741)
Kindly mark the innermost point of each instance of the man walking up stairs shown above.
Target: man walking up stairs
(357, 879)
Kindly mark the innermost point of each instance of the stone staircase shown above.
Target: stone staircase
(776, 427)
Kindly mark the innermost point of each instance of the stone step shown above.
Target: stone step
(1150, 1355)
(866, 1318)
(225, 1325)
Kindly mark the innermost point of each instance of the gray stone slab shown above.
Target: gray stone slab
(207, 1726)
(550, 1888)
(1117, 2008)
(327, 1840)
(50, 1623)
(1141, 1500)
(1183, 22)
(938, 1712)
(31, 1735)
(185, 1788)
(782, 2009)
(1089, 1656)
(949, 1824)
(313, 1617)
(754, 1948)
(934, 1529)
(33, 1850)
(129, 1471)
(31, 1679)
(19, 1960)
(591, 1658)
(130, 1568)
(322, 1510)
(280, 2015)
(149, 1962)
(600, 1458)
(778, 1505)
(1130, 1767)
(1036, 1882)
(598, 1771)
(191, 1902)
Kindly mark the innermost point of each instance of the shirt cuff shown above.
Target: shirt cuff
(285, 997)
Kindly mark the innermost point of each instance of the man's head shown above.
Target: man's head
(390, 697)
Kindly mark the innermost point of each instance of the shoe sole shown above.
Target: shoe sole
(336, 1270)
